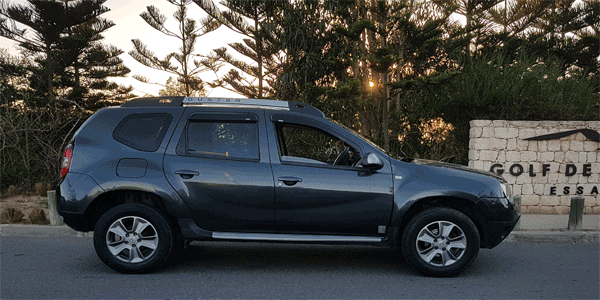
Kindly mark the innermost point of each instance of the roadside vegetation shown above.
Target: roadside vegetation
(409, 75)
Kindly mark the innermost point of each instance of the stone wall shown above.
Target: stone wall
(560, 160)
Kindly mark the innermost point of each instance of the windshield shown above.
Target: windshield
(359, 136)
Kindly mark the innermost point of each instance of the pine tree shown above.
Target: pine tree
(173, 87)
(86, 65)
(254, 20)
(48, 20)
(568, 32)
(180, 64)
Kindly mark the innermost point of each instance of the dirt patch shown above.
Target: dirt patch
(26, 204)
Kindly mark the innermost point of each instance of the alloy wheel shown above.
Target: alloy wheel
(132, 239)
(441, 243)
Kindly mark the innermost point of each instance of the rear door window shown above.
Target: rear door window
(232, 136)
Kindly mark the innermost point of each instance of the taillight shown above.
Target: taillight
(66, 161)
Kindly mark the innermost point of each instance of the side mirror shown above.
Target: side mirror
(371, 161)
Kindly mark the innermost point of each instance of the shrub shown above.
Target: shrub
(38, 216)
(41, 188)
(11, 215)
(13, 191)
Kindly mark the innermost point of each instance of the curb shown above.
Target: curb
(540, 236)
(41, 231)
(532, 236)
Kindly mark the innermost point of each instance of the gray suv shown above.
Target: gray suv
(156, 173)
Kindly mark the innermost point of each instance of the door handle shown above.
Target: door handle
(186, 174)
(289, 180)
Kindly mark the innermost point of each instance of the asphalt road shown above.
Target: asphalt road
(36, 268)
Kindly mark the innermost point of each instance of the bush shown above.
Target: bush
(13, 191)
(38, 216)
(41, 188)
(11, 215)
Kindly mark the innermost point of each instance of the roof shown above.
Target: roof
(225, 102)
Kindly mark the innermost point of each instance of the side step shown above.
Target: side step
(294, 237)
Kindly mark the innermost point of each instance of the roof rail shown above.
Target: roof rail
(225, 102)
(236, 102)
(154, 101)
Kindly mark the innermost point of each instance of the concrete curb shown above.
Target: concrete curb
(541, 236)
(41, 231)
(532, 236)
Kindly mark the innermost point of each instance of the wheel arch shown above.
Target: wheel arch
(105, 201)
(465, 206)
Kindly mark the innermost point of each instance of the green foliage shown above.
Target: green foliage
(67, 58)
(175, 88)
(11, 215)
(38, 216)
(496, 88)
(492, 87)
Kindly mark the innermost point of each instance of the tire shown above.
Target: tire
(440, 242)
(133, 238)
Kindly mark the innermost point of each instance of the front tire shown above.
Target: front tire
(440, 242)
(133, 238)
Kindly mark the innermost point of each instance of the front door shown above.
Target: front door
(319, 187)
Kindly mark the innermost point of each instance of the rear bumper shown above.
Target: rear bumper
(75, 220)
(73, 196)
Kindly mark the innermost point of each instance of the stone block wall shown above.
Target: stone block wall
(546, 162)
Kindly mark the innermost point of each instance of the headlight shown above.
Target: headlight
(507, 189)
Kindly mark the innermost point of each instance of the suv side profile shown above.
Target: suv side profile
(156, 173)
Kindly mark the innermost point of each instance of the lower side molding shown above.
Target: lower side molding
(294, 237)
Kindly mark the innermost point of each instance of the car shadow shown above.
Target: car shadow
(277, 257)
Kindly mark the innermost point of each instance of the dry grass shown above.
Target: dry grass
(25, 204)
(38, 216)
(11, 215)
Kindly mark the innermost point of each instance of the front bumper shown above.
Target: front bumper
(501, 219)
(498, 231)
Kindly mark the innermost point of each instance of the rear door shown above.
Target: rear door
(218, 163)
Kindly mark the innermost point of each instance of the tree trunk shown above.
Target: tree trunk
(259, 55)
(49, 72)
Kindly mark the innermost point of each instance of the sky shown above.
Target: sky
(129, 25)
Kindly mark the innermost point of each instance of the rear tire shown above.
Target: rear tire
(440, 242)
(133, 238)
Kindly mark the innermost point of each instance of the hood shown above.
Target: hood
(439, 164)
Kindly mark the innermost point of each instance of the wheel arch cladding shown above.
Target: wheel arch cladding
(101, 204)
(465, 206)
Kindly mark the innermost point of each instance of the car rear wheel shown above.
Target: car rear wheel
(133, 238)
(440, 241)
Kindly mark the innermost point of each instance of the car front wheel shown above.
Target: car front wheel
(133, 238)
(440, 241)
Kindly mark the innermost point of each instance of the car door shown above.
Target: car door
(218, 163)
(318, 192)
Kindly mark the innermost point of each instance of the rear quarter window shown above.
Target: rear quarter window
(143, 132)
